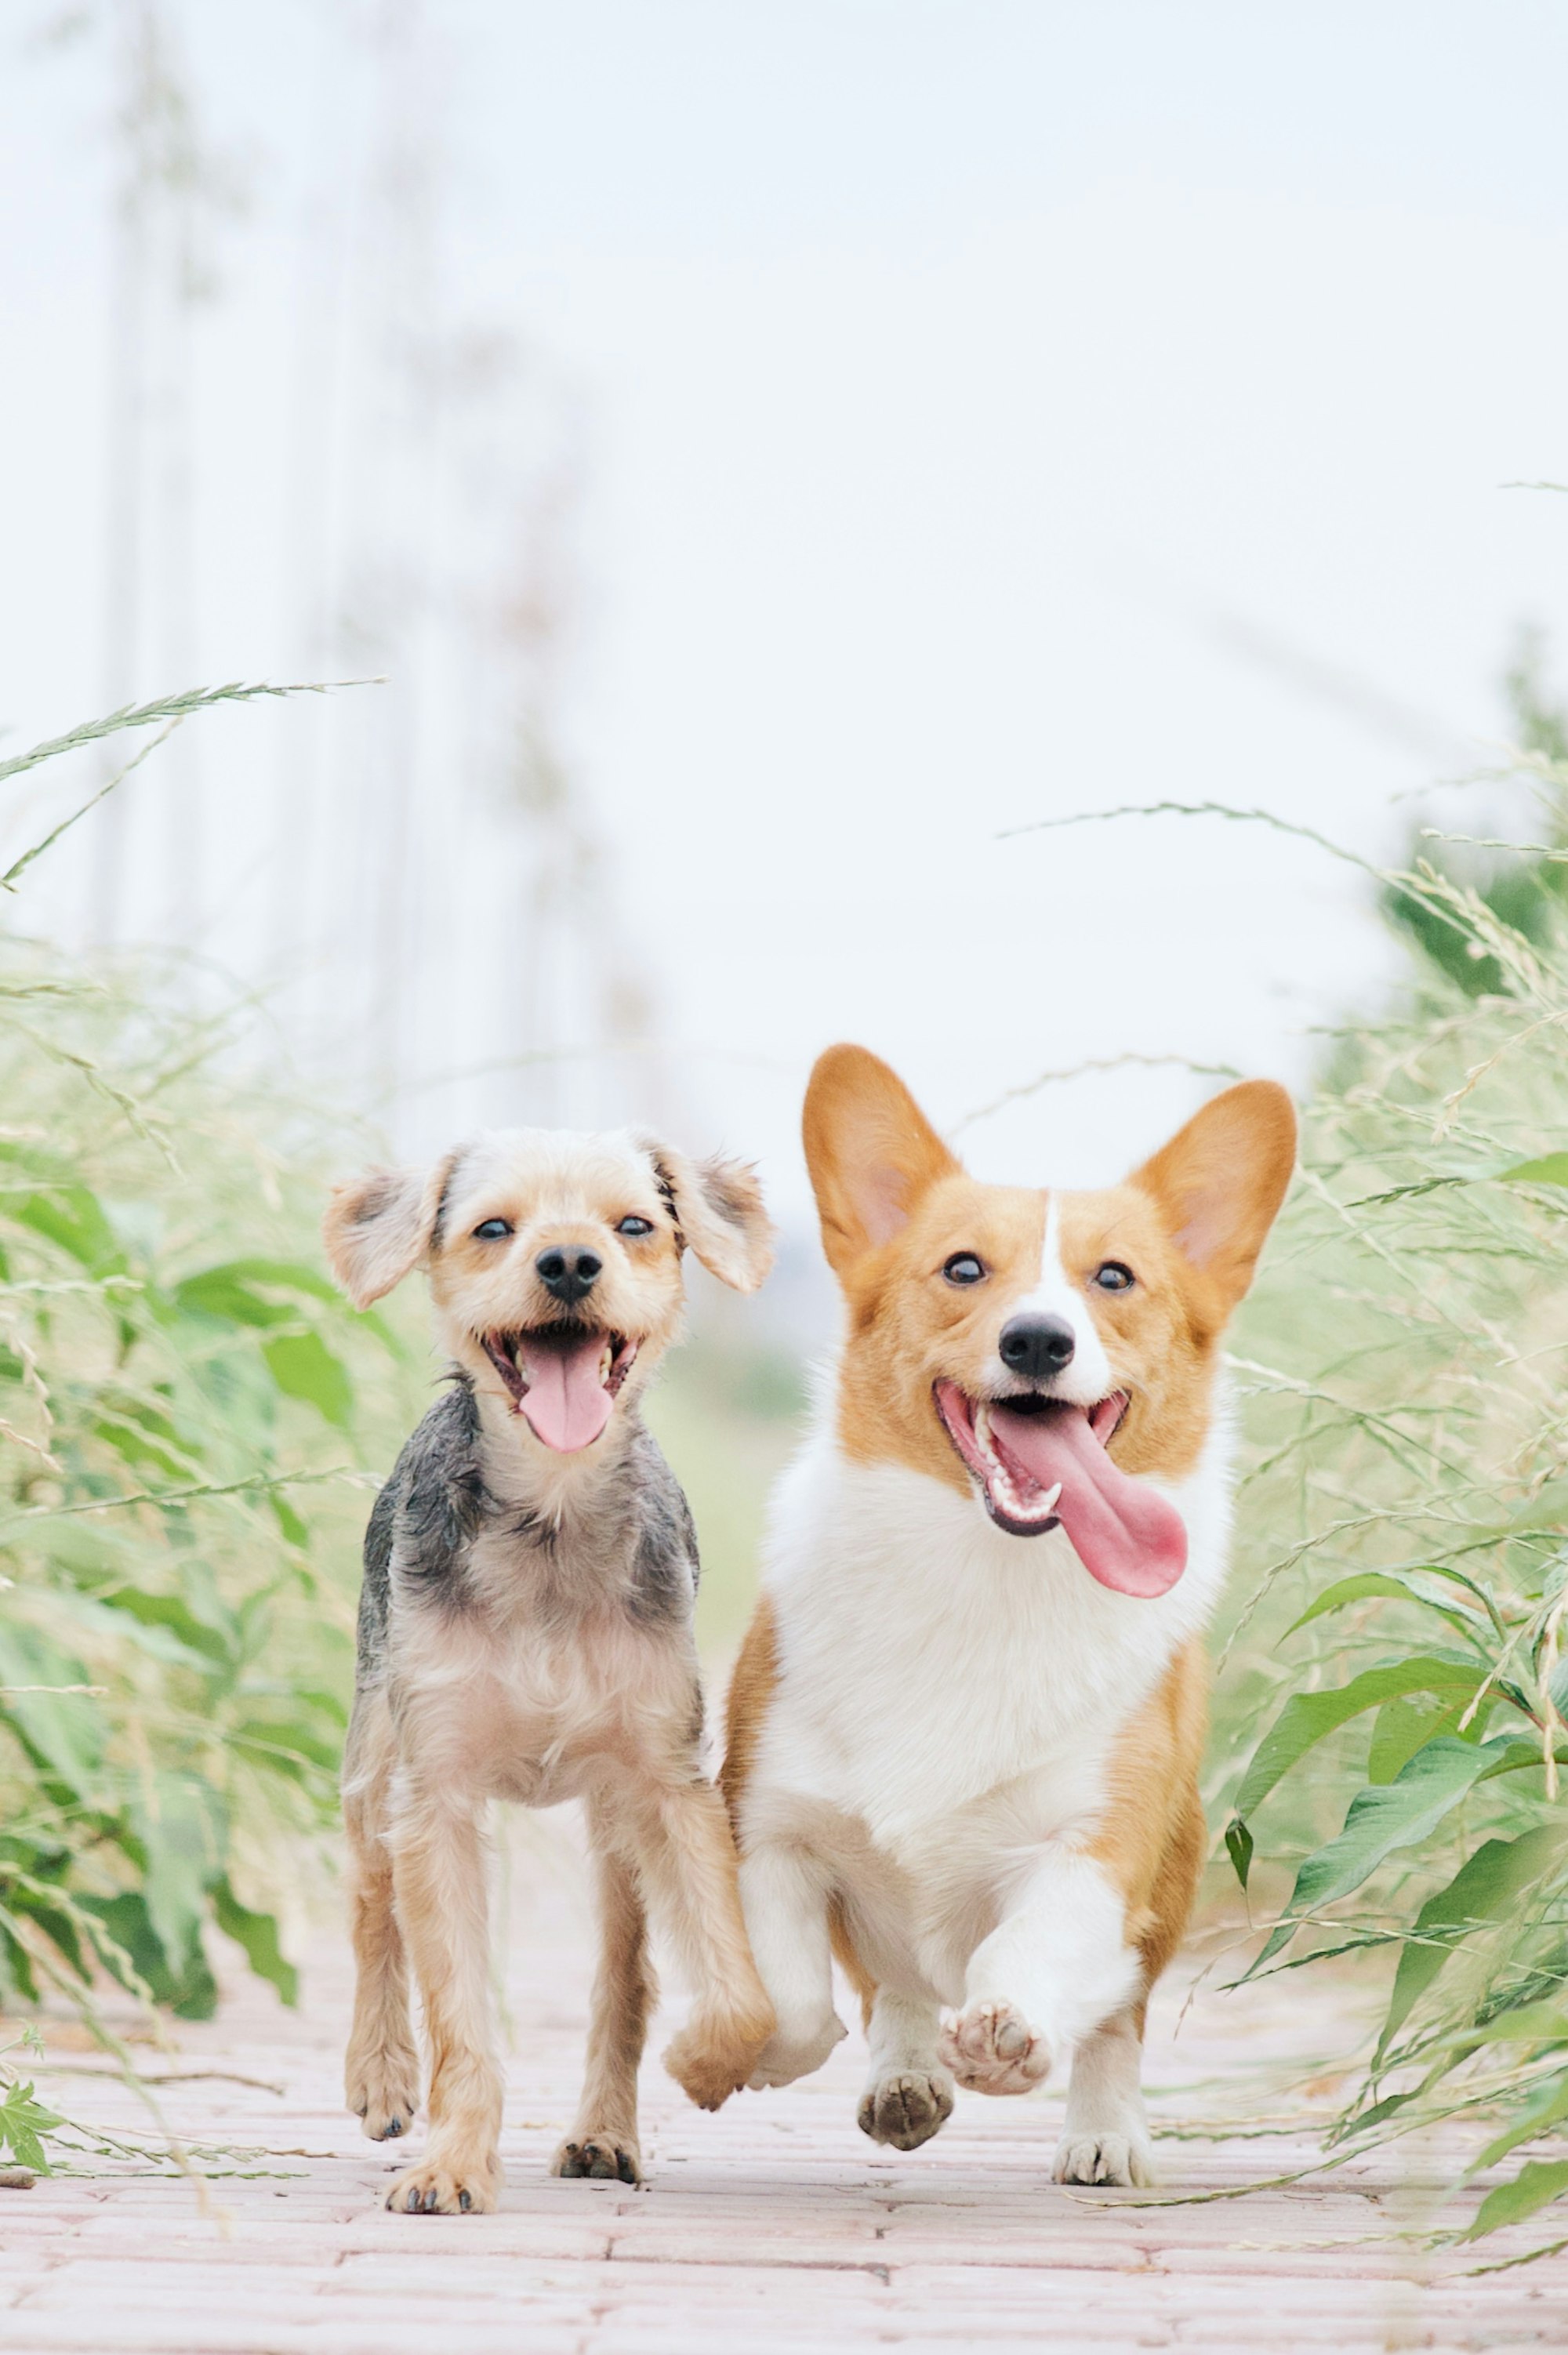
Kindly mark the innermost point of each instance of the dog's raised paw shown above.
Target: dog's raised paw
(432, 2189)
(906, 2108)
(796, 2051)
(715, 2055)
(1110, 2158)
(991, 2048)
(605, 2157)
(383, 2094)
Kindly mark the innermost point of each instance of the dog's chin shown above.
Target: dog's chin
(562, 1381)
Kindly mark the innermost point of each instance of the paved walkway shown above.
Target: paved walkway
(774, 2225)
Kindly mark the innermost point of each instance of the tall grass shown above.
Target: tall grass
(1391, 1739)
(185, 1405)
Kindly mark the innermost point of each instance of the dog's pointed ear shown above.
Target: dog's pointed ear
(870, 1149)
(716, 1207)
(1219, 1183)
(380, 1225)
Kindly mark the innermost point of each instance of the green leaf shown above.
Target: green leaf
(1551, 1170)
(1238, 1846)
(56, 1925)
(22, 2121)
(1527, 2023)
(1548, 2109)
(63, 1731)
(1482, 1891)
(1537, 2183)
(182, 1833)
(73, 1219)
(303, 1368)
(167, 1611)
(236, 1290)
(1380, 1819)
(1400, 1729)
(293, 1525)
(184, 1982)
(288, 1749)
(144, 1435)
(1399, 1585)
(258, 1934)
(1307, 1717)
(128, 1620)
(219, 1292)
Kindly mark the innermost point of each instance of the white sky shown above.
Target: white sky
(948, 373)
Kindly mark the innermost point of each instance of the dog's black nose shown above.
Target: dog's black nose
(568, 1274)
(1036, 1345)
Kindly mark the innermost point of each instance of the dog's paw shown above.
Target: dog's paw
(460, 2189)
(790, 2052)
(606, 2157)
(715, 2054)
(1124, 2159)
(907, 2108)
(383, 2091)
(991, 2048)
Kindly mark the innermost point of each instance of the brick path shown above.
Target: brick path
(773, 2226)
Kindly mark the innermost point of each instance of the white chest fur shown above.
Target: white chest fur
(524, 1713)
(929, 1660)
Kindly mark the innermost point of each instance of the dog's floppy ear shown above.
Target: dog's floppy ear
(1220, 1182)
(716, 1207)
(870, 1149)
(381, 1224)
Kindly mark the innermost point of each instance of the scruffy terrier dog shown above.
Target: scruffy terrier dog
(526, 1632)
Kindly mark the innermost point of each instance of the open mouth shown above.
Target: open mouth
(1043, 1464)
(561, 1378)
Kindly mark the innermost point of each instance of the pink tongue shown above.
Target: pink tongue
(566, 1404)
(1122, 1533)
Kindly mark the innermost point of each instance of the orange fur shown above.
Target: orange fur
(751, 1689)
(1152, 1837)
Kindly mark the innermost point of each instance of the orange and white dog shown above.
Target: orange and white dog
(967, 1722)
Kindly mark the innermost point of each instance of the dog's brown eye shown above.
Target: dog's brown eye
(634, 1226)
(1114, 1277)
(963, 1268)
(490, 1230)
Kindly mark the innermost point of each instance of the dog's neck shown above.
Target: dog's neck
(521, 1474)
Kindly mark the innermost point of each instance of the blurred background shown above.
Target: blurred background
(767, 451)
(765, 454)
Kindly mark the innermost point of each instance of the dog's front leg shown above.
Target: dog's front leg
(603, 2142)
(909, 2093)
(688, 1861)
(443, 1904)
(785, 1896)
(1104, 2135)
(1056, 1966)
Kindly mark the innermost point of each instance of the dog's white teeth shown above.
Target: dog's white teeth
(606, 1362)
(1047, 1504)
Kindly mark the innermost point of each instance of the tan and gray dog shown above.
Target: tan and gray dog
(526, 1632)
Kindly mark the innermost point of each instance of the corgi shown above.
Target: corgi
(966, 1725)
